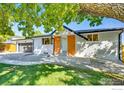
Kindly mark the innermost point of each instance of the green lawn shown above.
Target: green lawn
(49, 74)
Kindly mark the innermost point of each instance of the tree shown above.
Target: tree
(37, 33)
(51, 16)
(55, 15)
(113, 10)
(5, 22)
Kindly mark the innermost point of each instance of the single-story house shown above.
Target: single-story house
(102, 43)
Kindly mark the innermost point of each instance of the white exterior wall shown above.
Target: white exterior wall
(79, 41)
(106, 47)
(64, 43)
(39, 48)
(109, 36)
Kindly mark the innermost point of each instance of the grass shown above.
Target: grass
(50, 74)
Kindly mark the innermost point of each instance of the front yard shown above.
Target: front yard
(50, 74)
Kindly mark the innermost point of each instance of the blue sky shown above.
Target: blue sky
(106, 23)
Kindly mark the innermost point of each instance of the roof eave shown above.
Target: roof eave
(98, 30)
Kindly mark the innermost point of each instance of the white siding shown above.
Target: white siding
(79, 41)
(64, 43)
(37, 43)
(109, 36)
(106, 47)
(39, 48)
(102, 49)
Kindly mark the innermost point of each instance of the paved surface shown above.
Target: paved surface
(82, 63)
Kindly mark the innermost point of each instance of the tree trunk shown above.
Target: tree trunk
(107, 10)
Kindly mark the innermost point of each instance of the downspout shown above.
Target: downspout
(52, 42)
(119, 49)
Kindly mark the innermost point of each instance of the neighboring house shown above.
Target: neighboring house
(9, 45)
(17, 44)
(102, 43)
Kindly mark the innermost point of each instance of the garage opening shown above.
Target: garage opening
(25, 47)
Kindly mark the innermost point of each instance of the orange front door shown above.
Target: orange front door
(71, 45)
(57, 45)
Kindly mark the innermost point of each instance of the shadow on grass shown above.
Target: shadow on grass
(29, 75)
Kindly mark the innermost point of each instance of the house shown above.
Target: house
(101, 43)
(9, 45)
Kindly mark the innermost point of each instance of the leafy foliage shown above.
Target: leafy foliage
(51, 16)
(5, 21)
(37, 32)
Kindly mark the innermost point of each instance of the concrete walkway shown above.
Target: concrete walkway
(82, 63)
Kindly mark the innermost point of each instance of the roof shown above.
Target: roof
(42, 36)
(8, 42)
(22, 39)
(98, 30)
(93, 30)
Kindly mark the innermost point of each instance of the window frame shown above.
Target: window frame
(91, 35)
(46, 42)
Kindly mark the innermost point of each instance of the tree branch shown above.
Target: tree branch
(107, 10)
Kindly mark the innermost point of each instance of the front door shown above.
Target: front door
(57, 45)
(71, 45)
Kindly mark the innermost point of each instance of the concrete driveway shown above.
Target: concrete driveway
(82, 63)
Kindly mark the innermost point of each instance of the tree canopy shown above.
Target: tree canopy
(51, 16)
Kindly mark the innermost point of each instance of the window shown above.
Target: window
(89, 37)
(46, 41)
(92, 37)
